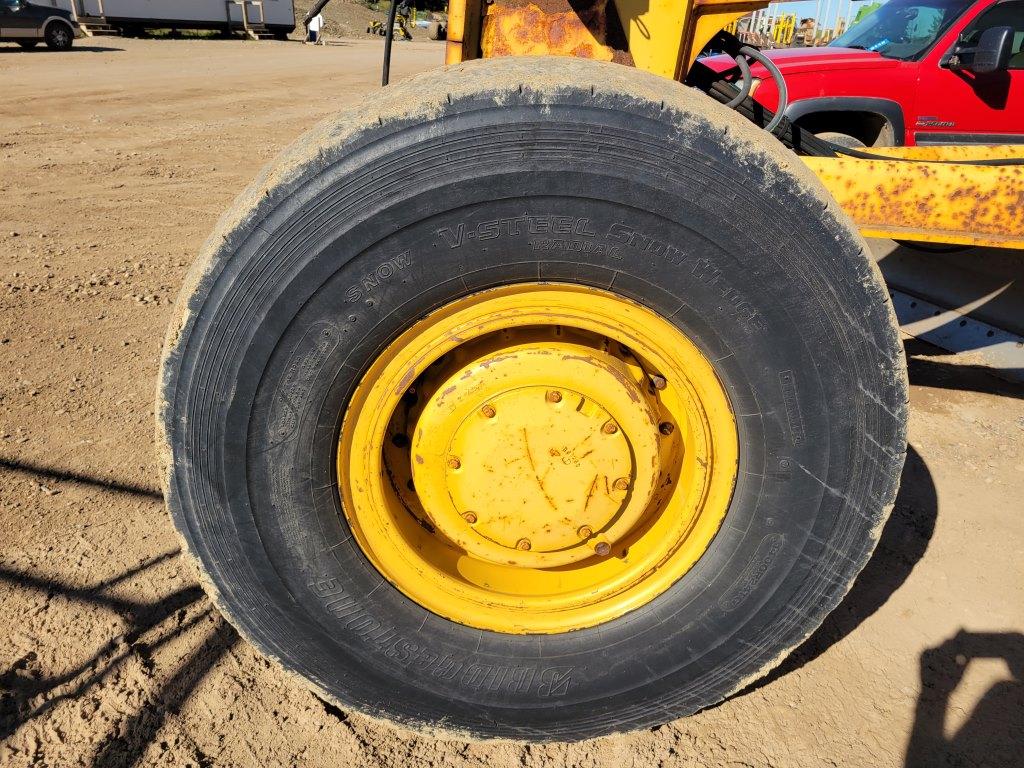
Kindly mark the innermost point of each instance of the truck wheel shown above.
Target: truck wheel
(59, 36)
(842, 139)
(557, 403)
(435, 30)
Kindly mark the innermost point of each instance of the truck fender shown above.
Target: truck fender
(51, 19)
(890, 110)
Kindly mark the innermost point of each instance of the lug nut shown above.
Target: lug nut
(621, 484)
(469, 517)
(666, 428)
(658, 382)
(554, 396)
(609, 428)
(585, 532)
(523, 544)
(453, 462)
(488, 411)
(602, 548)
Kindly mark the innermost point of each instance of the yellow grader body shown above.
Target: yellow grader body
(935, 198)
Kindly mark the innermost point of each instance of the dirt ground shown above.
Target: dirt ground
(115, 161)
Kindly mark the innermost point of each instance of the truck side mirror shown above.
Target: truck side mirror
(991, 54)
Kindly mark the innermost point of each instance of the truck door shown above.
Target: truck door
(17, 20)
(956, 107)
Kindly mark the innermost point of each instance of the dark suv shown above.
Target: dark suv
(26, 24)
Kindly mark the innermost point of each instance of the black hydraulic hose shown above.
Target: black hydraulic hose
(789, 134)
(780, 83)
(389, 36)
(744, 91)
(795, 137)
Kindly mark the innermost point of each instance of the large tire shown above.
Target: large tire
(59, 36)
(689, 211)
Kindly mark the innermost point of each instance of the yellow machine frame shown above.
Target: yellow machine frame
(923, 193)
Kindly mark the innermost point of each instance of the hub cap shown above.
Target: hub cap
(537, 458)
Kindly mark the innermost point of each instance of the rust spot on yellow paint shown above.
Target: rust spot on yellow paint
(530, 31)
(930, 201)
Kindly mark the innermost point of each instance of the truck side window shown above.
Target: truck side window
(1007, 14)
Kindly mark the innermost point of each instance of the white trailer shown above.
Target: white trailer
(275, 16)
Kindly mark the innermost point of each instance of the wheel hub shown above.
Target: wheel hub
(536, 456)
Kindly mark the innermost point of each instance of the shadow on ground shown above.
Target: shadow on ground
(26, 694)
(993, 732)
(42, 49)
(926, 371)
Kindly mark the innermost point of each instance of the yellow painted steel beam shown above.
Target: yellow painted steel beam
(654, 32)
(930, 201)
(954, 152)
(705, 19)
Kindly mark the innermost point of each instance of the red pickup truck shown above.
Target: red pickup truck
(889, 81)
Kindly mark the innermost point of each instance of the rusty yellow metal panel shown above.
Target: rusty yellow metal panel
(929, 201)
(528, 30)
(659, 36)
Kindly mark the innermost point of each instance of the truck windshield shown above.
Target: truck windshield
(903, 29)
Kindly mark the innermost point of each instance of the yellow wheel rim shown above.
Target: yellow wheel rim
(537, 458)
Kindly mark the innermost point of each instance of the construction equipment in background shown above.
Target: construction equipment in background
(774, 27)
(400, 18)
(545, 397)
(400, 27)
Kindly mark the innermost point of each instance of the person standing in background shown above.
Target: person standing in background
(313, 30)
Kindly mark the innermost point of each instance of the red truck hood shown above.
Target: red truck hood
(793, 61)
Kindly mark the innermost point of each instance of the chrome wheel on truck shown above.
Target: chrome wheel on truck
(58, 36)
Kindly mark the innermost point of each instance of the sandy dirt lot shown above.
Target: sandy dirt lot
(115, 161)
